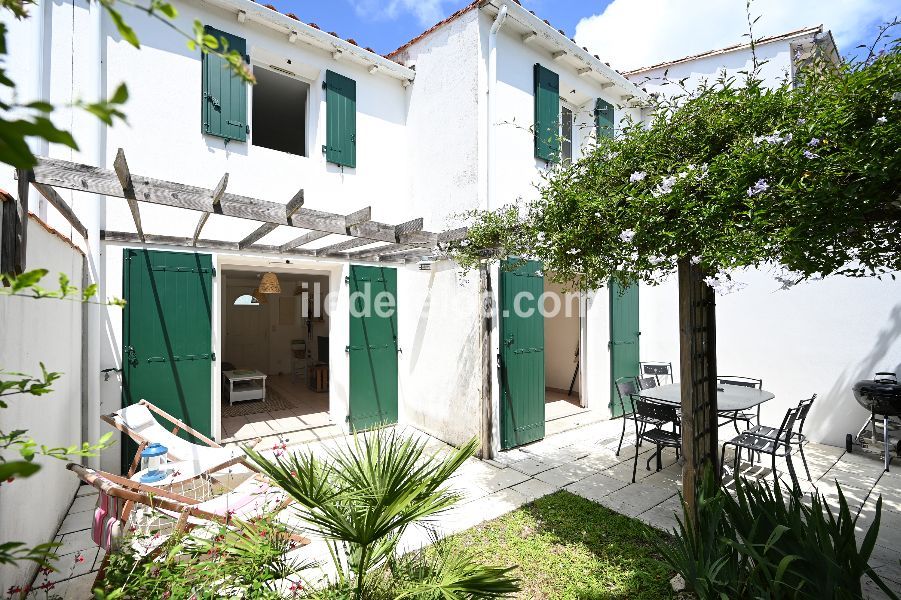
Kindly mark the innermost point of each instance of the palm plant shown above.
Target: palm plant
(362, 497)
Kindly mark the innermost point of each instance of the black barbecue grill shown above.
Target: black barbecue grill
(882, 397)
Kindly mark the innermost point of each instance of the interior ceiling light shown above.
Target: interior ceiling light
(269, 284)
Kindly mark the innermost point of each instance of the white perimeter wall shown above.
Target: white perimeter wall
(818, 337)
(35, 331)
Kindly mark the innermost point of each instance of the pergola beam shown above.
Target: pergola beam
(85, 178)
(218, 192)
(306, 238)
(126, 237)
(292, 207)
(59, 204)
(128, 189)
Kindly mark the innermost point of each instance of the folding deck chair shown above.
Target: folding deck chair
(118, 496)
(138, 422)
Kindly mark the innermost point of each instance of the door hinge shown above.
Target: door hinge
(213, 356)
(214, 271)
(347, 279)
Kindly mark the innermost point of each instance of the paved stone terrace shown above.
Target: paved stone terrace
(581, 461)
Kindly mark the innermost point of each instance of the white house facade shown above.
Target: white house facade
(445, 124)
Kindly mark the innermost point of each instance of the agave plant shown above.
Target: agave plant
(764, 543)
(361, 498)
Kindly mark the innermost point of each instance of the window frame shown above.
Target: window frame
(309, 126)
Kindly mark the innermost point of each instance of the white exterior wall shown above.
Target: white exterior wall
(47, 331)
(443, 122)
(421, 151)
(774, 59)
(819, 337)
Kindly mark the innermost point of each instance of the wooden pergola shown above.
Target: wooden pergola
(370, 241)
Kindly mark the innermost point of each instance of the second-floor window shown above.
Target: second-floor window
(566, 134)
(279, 114)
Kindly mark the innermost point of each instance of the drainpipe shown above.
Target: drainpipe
(91, 213)
(492, 84)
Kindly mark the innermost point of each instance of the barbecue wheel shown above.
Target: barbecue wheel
(849, 442)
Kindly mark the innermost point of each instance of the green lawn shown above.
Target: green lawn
(568, 547)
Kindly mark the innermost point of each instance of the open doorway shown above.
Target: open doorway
(275, 340)
(562, 350)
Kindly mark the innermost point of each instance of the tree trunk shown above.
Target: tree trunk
(697, 352)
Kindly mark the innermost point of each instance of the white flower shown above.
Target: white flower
(665, 187)
(801, 121)
(573, 252)
(712, 282)
(464, 243)
(541, 236)
(814, 142)
(882, 120)
(637, 176)
(627, 235)
(695, 260)
(773, 138)
(598, 215)
(683, 174)
(539, 273)
(788, 137)
(656, 260)
(809, 154)
(758, 188)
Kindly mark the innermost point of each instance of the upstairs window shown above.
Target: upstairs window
(279, 112)
(566, 134)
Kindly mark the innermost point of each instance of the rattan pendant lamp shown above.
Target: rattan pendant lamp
(269, 284)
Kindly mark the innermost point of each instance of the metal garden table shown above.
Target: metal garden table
(729, 398)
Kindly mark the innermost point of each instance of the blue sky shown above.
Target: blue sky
(374, 23)
(626, 33)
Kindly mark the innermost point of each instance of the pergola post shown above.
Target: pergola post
(697, 354)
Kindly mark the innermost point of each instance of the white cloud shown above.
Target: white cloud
(427, 12)
(637, 33)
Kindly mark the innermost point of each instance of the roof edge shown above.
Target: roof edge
(289, 24)
(815, 29)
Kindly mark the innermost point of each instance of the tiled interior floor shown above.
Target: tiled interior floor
(306, 421)
(583, 462)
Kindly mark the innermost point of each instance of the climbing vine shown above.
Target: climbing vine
(804, 175)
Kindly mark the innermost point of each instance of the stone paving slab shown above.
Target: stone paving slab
(581, 461)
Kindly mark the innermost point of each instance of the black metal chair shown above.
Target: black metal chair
(735, 416)
(778, 445)
(648, 411)
(646, 383)
(797, 435)
(662, 371)
(627, 389)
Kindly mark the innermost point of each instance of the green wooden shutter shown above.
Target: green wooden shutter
(341, 119)
(603, 118)
(547, 114)
(522, 353)
(372, 349)
(224, 112)
(167, 355)
(624, 339)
